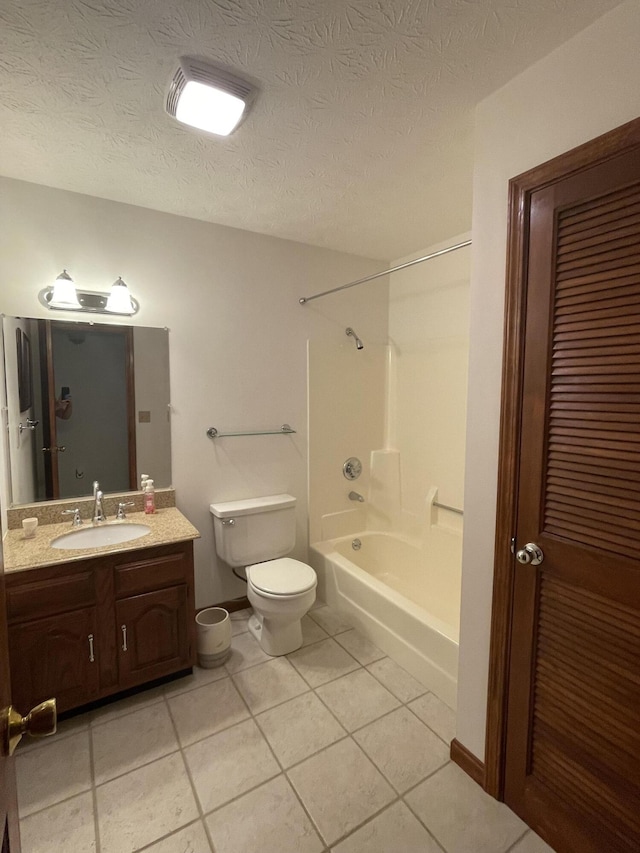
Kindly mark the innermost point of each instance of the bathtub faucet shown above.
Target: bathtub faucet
(354, 496)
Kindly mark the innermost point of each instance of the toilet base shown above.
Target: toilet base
(275, 639)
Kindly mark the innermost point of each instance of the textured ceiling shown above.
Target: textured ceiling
(360, 139)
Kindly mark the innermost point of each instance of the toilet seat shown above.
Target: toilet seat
(282, 578)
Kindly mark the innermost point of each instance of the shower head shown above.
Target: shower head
(349, 331)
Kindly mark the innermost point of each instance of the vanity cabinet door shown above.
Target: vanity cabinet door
(153, 635)
(55, 656)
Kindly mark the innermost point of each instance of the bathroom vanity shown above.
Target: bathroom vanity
(86, 625)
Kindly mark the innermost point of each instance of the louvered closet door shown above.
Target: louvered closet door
(573, 722)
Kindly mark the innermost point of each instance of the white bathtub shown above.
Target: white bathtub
(404, 597)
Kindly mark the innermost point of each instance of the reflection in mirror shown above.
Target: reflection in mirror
(98, 407)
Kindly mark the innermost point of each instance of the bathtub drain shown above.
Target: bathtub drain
(356, 544)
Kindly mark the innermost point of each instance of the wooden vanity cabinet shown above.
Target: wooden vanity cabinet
(153, 617)
(85, 630)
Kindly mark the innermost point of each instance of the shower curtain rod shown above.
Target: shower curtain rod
(305, 299)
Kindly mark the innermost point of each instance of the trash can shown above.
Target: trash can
(214, 636)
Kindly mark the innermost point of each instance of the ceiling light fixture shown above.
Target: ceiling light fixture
(208, 98)
(66, 297)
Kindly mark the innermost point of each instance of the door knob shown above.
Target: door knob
(530, 555)
(39, 722)
(56, 449)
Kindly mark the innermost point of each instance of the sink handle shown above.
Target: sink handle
(76, 521)
(121, 514)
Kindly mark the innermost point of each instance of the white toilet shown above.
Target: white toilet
(256, 534)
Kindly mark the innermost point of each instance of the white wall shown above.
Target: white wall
(585, 88)
(153, 395)
(237, 335)
(429, 333)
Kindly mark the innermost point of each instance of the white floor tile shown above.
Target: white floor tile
(403, 686)
(230, 763)
(191, 839)
(269, 684)
(322, 662)
(145, 805)
(329, 620)
(362, 649)
(59, 770)
(461, 816)
(299, 728)
(126, 743)
(395, 830)
(531, 843)
(198, 678)
(113, 710)
(357, 698)
(311, 631)
(239, 621)
(206, 710)
(69, 826)
(438, 716)
(340, 789)
(277, 824)
(245, 652)
(402, 748)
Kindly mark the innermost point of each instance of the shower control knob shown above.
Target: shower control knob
(352, 468)
(530, 555)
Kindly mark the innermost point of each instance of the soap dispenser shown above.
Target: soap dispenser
(149, 497)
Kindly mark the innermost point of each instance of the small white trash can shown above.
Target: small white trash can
(214, 637)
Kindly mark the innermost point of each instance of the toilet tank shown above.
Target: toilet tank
(254, 530)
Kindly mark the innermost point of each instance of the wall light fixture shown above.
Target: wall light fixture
(65, 296)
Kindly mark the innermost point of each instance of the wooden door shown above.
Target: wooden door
(48, 397)
(572, 768)
(57, 657)
(153, 635)
(9, 830)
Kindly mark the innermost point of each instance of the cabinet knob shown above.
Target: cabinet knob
(39, 722)
(91, 655)
(123, 628)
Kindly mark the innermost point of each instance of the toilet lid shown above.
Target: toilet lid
(282, 577)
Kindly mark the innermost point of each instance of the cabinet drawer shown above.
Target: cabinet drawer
(150, 574)
(51, 596)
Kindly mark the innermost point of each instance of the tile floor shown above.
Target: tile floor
(334, 748)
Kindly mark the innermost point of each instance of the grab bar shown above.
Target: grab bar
(285, 429)
(450, 508)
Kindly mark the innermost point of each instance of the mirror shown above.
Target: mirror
(85, 402)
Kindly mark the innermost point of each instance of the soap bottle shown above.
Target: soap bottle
(143, 480)
(149, 497)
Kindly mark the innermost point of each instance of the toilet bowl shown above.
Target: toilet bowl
(280, 592)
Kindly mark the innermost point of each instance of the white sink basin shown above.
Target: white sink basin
(95, 537)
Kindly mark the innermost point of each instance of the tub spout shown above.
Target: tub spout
(354, 496)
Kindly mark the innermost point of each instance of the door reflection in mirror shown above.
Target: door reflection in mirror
(101, 394)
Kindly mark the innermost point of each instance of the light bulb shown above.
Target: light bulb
(64, 292)
(119, 301)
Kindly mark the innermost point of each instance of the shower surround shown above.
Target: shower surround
(399, 407)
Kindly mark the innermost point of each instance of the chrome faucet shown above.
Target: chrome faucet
(98, 509)
(354, 496)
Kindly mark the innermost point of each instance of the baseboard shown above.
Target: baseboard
(234, 604)
(467, 761)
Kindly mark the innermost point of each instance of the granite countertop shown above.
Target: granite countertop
(167, 525)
